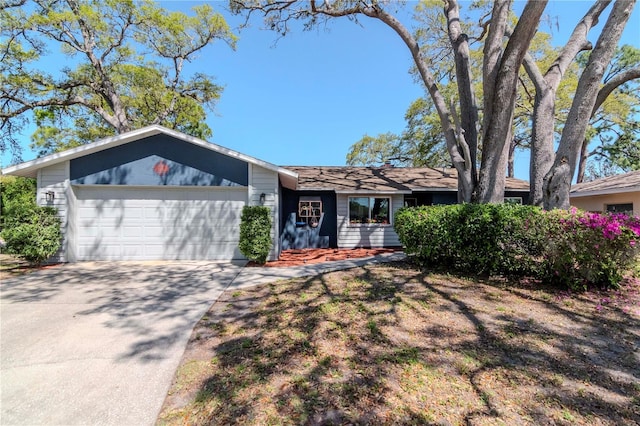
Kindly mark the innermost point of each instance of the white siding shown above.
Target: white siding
(56, 179)
(264, 181)
(361, 235)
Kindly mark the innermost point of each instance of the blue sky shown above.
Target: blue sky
(307, 98)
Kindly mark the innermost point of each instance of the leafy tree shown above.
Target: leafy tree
(551, 174)
(460, 129)
(17, 195)
(421, 144)
(501, 63)
(615, 125)
(371, 151)
(125, 67)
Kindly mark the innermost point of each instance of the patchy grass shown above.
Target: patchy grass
(13, 266)
(391, 344)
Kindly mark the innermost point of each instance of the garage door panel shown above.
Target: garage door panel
(147, 224)
(132, 231)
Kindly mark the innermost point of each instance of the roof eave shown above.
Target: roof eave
(373, 191)
(608, 191)
(30, 168)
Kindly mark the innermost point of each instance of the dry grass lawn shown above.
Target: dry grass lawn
(391, 344)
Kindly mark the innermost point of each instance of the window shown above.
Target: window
(410, 202)
(513, 200)
(369, 210)
(310, 211)
(626, 208)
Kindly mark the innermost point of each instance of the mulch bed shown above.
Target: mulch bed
(310, 256)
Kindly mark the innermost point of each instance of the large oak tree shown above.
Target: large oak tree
(505, 49)
(124, 67)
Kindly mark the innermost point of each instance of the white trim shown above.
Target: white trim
(250, 188)
(426, 189)
(29, 168)
(38, 187)
(366, 192)
(604, 192)
(167, 187)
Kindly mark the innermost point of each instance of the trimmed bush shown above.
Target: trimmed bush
(34, 235)
(572, 249)
(255, 233)
(483, 238)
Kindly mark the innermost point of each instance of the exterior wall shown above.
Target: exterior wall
(264, 181)
(135, 164)
(366, 235)
(56, 178)
(598, 203)
(289, 204)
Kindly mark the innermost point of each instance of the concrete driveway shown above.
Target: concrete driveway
(98, 343)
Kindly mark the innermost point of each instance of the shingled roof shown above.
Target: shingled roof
(383, 179)
(627, 182)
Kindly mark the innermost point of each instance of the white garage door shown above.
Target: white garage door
(116, 223)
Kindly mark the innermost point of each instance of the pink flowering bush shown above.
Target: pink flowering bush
(572, 249)
(590, 248)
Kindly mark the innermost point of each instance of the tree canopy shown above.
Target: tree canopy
(126, 66)
(506, 42)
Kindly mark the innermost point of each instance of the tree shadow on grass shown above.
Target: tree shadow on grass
(396, 345)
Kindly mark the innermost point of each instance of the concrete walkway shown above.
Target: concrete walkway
(249, 277)
(98, 343)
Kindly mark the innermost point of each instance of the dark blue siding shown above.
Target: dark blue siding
(159, 160)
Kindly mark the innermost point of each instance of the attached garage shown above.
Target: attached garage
(154, 194)
(158, 223)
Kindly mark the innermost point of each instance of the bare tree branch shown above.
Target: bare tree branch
(613, 84)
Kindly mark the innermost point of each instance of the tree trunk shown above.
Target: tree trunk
(512, 152)
(557, 183)
(464, 80)
(582, 164)
(117, 117)
(541, 157)
(542, 151)
(456, 144)
(495, 148)
(492, 53)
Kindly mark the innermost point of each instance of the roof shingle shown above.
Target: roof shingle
(382, 179)
(619, 183)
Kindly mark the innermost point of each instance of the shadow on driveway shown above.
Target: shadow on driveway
(99, 342)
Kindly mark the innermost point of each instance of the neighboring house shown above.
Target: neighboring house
(620, 193)
(155, 193)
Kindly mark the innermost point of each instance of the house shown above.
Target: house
(155, 193)
(619, 193)
(360, 202)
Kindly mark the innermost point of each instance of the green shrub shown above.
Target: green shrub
(34, 235)
(483, 238)
(573, 249)
(255, 233)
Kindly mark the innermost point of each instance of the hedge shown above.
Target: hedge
(574, 249)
